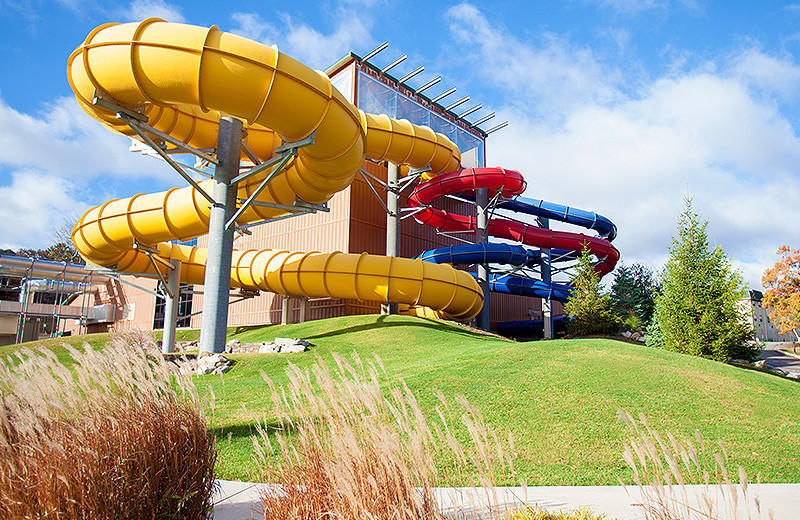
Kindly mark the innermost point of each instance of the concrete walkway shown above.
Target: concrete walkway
(240, 500)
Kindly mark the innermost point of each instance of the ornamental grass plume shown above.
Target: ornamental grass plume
(689, 480)
(115, 435)
(351, 450)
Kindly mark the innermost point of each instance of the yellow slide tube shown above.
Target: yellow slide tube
(185, 78)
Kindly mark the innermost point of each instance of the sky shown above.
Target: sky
(623, 107)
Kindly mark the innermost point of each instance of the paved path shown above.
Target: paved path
(779, 359)
(240, 500)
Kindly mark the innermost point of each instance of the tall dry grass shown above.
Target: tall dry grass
(113, 436)
(352, 450)
(686, 480)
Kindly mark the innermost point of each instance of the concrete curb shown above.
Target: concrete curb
(240, 500)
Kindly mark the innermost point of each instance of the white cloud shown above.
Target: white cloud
(64, 141)
(351, 30)
(632, 154)
(139, 10)
(550, 77)
(34, 204)
(52, 161)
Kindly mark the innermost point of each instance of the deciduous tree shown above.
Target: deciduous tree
(698, 310)
(782, 294)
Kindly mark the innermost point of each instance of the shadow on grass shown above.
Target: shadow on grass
(381, 323)
(247, 430)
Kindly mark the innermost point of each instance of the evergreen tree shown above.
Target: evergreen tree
(698, 310)
(633, 292)
(590, 312)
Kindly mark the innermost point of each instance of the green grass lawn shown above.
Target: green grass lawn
(558, 398)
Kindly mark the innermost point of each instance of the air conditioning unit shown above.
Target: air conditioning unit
(100, 314)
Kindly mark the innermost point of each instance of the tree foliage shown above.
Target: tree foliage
(590, 311)
(698, 310)
(782, 294)
(633, 292)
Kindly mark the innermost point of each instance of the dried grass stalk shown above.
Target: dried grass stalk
(351, 451)
(113, 436)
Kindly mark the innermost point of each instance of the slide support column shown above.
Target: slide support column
(547, 277)
(217, 283)
(172, 307)
(481, 235)
(392, 224)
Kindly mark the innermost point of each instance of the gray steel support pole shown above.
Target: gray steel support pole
(286, 310)
(217, 283)
(482, 235)
(547, 277)
(172, 307)
(303, 310)
(392, 224)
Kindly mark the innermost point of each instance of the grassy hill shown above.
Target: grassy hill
(558, 398)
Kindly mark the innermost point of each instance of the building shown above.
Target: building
(758, 316)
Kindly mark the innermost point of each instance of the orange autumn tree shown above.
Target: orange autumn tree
(782, 294)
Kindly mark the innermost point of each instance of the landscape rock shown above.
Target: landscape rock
(793, 375)
(291, 345)
(761, 363)
(269, 348)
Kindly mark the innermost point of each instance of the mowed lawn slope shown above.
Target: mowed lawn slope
(559, 399)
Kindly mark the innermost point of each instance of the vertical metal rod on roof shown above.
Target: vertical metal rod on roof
(429, 84)
(443, 94)
(412, 74)
(217, 282)
(482, 236)
(392, 224)
(395, 63)
(375, 51)
(171, 307)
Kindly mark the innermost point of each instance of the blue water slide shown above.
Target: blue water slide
(492, 253)
(510, 284)
(527, 327)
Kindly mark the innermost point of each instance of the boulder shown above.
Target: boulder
(269, 348)
(291, 345)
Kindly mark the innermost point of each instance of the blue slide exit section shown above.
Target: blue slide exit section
(527, 327)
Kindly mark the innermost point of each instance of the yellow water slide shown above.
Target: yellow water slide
(184, 78)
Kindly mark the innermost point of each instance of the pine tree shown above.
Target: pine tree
(590, 311)
(698, 310)
(633, 292)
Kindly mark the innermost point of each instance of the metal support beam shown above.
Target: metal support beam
(286, 310)
(547, 277)
(172, 307)
(392, 224)
(220, 238)
(303, 310)
(481, 235)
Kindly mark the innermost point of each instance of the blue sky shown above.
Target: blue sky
(618, 106)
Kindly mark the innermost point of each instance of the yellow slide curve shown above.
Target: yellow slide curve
(186, 78)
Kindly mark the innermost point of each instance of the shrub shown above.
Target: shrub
(351, 452)
(537, 513)
(113, 436)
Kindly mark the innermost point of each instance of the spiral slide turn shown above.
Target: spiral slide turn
(184, 78)
(563, 245)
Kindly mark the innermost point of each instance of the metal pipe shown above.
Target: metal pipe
(392, 224)
(482, 235)
(443, 95)
(547, 277)
(217, 282)
(429, 84)
(412, 74)
(171, 307)
(375, 51)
